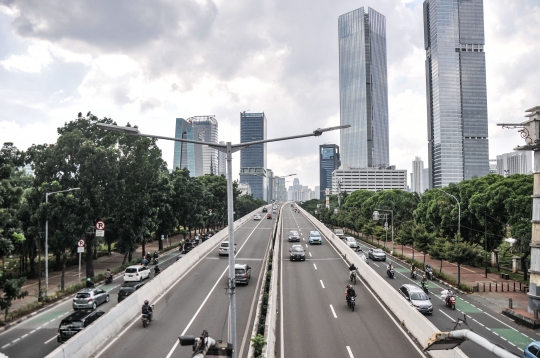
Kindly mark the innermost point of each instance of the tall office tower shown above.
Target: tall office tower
(281, 191)
(328, 162)
(426, 178)
(222, 163)
(363, 89)
(188, 155)
(456, 90)
(253, 159)
(208, 128)
(417, 182)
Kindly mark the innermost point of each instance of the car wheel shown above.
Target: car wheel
(58, 340)
(94, 306)
(140, 280)
(107, 298)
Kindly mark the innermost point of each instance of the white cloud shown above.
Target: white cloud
(37, 57)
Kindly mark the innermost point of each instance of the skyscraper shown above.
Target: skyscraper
(328, 162)
(417, 176)
(363, 89)
(188, 155)
(208, 128)
(253, 159)
(456, 90)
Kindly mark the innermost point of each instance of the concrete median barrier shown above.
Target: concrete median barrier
(412, 320)
(99, 333)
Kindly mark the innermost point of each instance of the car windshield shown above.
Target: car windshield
(293, 233)
(224, 244)
(131, 270)
(74, 324)
(419, 296)
(297, 249)
(315, 234)
(378, 251)
(83, 295)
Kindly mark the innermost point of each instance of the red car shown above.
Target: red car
(269, 216)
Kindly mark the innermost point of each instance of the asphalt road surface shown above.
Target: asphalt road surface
(198, 301)
(315, 320)
(489, 324)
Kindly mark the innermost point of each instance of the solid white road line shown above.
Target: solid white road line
(50, 340)
(333, 312)
(315, 266)
(322, 284)
(350, 352)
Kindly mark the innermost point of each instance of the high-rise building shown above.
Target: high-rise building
(222, 162)
(518, 162)
(456, 90)
(253, 159)
(328, 162)
(281, 191)
(363, 89)
(374, 179)
(417, 176)
(426, 178)
(208, 129)
(188, 155)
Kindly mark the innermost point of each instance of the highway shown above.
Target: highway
(315, 320)
(484, 321)
(198, 301)
(36, 336)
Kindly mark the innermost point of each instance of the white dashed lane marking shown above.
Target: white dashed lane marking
(322, 284)
(333, 312)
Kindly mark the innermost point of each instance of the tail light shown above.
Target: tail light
(58, 331)
(90, 299)
(137, 274)
(245, 276)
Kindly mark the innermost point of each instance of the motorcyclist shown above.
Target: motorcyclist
(424, 282)
(349, 292)
(89, 283)
(352, 269)
(108, 275)
(147, 309)
(148, 256)
(389, 268)
(144, 261)
(413, 268)
(156, 255)
(156, 270)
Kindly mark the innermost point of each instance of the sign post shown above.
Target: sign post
(80, 250)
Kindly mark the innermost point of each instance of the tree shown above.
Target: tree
(460, 252)
(12, 291)
(437, 250)
(379, 233)
(406, 236)
(422, 240)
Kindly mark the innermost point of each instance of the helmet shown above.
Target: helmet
(145, 302)
(349, 286)
(88, 279)
(108, 269)
(157, 267)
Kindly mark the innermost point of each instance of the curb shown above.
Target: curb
(47, 307)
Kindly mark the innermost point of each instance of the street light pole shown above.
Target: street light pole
(392, 221)
(229, 149)
(47, 238)
(459, 210)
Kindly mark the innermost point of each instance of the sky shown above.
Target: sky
(149, 62)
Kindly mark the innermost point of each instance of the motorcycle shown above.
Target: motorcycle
(146, 318)
(351, 302)
(352, 276)
(450, 301)
(108, 279)
(155, 261)
(429, 273)
(391, 273)
(413, 274)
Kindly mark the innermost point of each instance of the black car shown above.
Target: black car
(265, 210)
(75, 322)
(297, 252)
(128, 288)
(188, 246)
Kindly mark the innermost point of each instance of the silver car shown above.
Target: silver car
(294, 236)
(417, 297)
(90, 298)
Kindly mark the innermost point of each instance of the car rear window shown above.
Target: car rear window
(224, 244)
(74, 324)
(419, 296)
(239, 271)
(126, 291)
(83, 295)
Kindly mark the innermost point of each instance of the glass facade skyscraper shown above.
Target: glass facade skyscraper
(188, 155)
(328, 162)
(456, 90)
(253, 159)
(208, 128)
(363, 89)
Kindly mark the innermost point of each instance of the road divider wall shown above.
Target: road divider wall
(415, 322)
(102, 331)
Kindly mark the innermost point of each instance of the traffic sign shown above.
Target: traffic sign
(80, 243)
(80, 249)
(100, 233)
(100, 225)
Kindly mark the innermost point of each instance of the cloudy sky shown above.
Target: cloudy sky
(149, 62)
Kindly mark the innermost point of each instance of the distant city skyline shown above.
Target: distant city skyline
(253, 158)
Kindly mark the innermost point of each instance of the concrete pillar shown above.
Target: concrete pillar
(534, 271)
(516, 264)
(494, 258)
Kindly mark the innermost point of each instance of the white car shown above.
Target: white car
(351, 241)
(136, 273)
(224, 248)
(257, 217)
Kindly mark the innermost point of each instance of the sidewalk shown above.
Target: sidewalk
(72, 273)
(493, 291)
